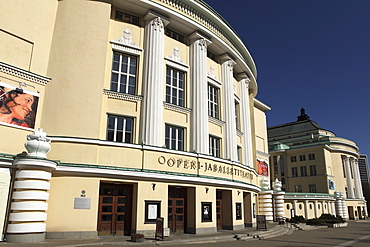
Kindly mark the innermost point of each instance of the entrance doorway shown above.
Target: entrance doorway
(177, 209)
(114, 209)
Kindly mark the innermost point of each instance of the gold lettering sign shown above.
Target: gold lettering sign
(206, 167)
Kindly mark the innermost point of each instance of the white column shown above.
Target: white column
(356, 176)
(31, 192)
(246, 120)
(329, 207)
(295, 207)
(316, 209)
(349, 178)
(333, 208)
(323, 207)
(153, 80)
(229, 107)
(306, 215)
(199, 91)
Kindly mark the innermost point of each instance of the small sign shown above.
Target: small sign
(159, 228)
(261, 222)
(82, 203)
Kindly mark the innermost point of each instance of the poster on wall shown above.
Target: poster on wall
(18, 106)
(331, 185)
(262, 168)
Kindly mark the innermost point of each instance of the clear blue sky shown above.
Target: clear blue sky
(309, 53)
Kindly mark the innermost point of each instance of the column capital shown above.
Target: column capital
(158, 20)
(227, 58)
(202, 38)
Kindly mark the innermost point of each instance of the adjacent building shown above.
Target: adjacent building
(318, 170)
(150, 111)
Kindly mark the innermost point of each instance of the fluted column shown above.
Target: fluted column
(31, 192)
(153, 80)
(229, 107)
(247, 151)
(199, 91)
(357, 178)
(333, 208)
(349, 177)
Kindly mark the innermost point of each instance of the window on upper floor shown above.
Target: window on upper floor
(237, 115)
(239, 152)
(211, 55)
(343, 168)
(120, 16)
(293, 158)
(311, 156)
(120, 129)
(282, 167)
(175, 35)
(275, 163)
(298, 188)
(214, 146)
(174, 137)
(294, 172)
(175, 87)
(303, 171)
(313, 170)
(302, 157)
(213, 107)
(123, 78)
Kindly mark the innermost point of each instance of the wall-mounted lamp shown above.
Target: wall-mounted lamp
(153, 186)
(83, 193)
(207, 189)
(238, 192)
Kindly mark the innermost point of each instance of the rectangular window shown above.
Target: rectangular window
(123, 73)
(313, 170)
(214, 146)
(120, 129)
(213, 110)
(311, 156)
(298, 188)
(283, 181)
(174, 137)
(293, 159)
(175, 93)
(239, 150)
(302, 157)
(343, 168)
(282, 169)
(294, 172)
(237, 115)
(175, 35)
(303, 171)
(120, 16)
(312, 188)
(275, 162)
(211, 55)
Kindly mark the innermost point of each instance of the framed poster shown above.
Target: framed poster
(206, 211)
(18, 106)
(238, 211)
(152, 211)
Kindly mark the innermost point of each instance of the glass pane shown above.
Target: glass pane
(106, 217)
(169, 210)
(179, 218)
(114, 86)
(218, 209)
(121, 217)
(179, 210)
(114, 77)
(107, 209)
(170, 218)
(179, 203)
(107, 199)
(218, 203)
(169, 202)
(218, 216)
(119, 136)
(121, 209)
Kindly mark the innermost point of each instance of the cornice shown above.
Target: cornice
(23, 74)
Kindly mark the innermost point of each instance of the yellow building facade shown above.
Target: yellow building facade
(149, 109)
(317, 171)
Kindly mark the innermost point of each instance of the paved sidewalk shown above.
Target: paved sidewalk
(221, 236)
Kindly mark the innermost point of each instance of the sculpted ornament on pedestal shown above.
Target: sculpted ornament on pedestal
(37, 145)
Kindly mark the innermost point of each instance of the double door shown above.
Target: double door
(114, 209)
(177, 209)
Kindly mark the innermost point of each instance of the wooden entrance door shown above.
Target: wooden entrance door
(219, 209)
(177, 209)
(114, 208)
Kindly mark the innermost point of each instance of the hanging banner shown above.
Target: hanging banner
(18, 106)
(262, 167)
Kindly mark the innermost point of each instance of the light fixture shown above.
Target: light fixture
(153, 186)
(238, 192)
(207, 189)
